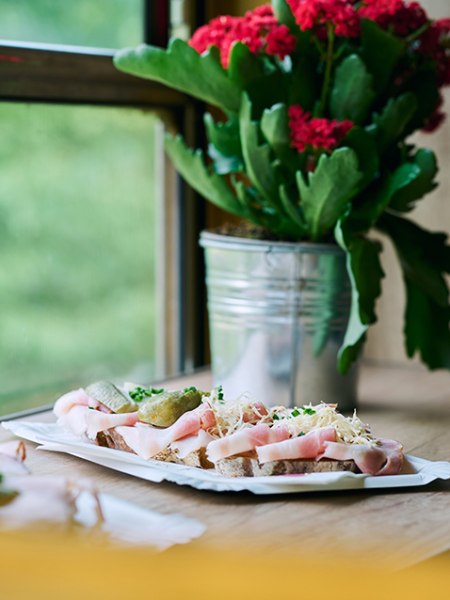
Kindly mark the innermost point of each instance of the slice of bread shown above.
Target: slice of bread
(111, 439)
(248, 466)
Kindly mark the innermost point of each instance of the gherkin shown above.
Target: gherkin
(111, 397)
(162, 410)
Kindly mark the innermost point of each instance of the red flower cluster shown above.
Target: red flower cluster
(435, 42)
(310, 133)
(258, 29)
(395, 15)
(314, 14)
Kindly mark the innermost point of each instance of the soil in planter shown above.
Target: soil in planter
(249, 231)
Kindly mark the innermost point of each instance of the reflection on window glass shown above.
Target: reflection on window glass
(77, 248)
(99, 23)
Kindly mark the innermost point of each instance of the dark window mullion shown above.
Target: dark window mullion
(157, 22)
(192, 220)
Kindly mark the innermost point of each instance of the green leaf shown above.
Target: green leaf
(223, 165)
(421, 184)
(293, 210)
(329, 189)
(244, 66)
(258, 161)
(284, 14)
(191, 166)
(377, 199)
(365, 272)
(224, 136)
(250, 203)
(267, 91)
(425, 86)
(382, 52)
(352, 94)
(275, 127)
(184, 69)
(391, 124)
(364, 145)
(257, 212)
(424, 256)
(426, 328)
(303, 83)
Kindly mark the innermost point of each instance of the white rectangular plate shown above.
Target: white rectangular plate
(416, 472)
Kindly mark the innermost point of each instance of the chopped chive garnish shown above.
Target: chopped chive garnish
(295, 412)
(301, 434)
(190, 389)
(139, 393)
(309, 411)
(276, 417)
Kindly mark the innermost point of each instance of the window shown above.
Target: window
(97, 234)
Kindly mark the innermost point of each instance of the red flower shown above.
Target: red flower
(257, 29)
(435, 42)
(310, 133)
(396, 15)
(280, 42)
(315, 14)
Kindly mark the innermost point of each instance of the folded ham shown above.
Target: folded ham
(192, 443)
(75, 398)
(386, 458)
(82, 420)
(148, 441)
(245, 440)
(311, 445)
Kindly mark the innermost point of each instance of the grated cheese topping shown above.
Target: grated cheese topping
(232, 416)
(303, 419)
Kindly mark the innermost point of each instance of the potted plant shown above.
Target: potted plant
(316, 100)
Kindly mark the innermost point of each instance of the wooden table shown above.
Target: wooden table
(408, 525)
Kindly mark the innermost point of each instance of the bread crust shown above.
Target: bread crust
(248, 466)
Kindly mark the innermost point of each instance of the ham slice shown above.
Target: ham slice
(192, 443)
(75, 398)
(311, 445)
(40, 499)
(147, 441)
(12, 457)
(245, 440)
(384, 459)
(82, 420)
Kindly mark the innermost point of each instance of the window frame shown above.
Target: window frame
(59, 74)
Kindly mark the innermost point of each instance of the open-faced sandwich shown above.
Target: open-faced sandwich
(240, 438)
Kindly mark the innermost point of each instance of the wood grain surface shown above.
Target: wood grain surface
(408, 525)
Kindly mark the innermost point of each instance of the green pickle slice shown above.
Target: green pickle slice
(162, 410)
(111, 397)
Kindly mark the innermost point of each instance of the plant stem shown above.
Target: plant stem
(414, 36)
(328, 66)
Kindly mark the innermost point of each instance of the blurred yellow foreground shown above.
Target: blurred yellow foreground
(63, 567)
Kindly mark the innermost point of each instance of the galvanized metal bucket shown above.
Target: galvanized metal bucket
(277, 314)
